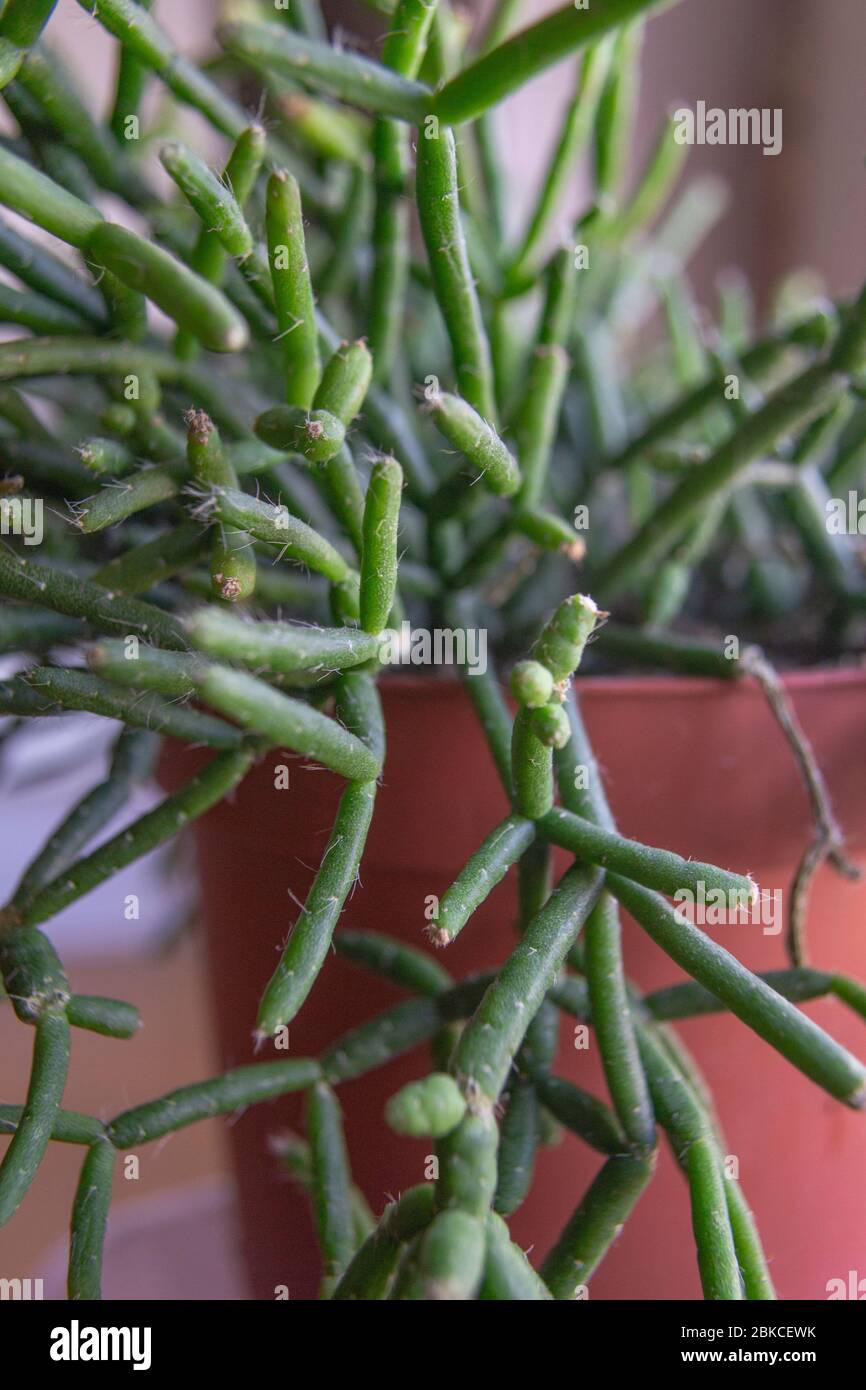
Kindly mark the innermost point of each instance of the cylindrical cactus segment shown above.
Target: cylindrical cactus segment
(345, 382)
(315, 434)
(561, 644)
(379, 555)
(293, 290)
(465, 428)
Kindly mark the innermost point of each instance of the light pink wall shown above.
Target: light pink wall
(807, 206)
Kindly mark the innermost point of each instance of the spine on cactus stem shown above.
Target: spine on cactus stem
(215, 205)
(316, 434)
(90, 1222)
(778, 1022)
(310, 939)
(488, 866)
(287, 722)
(191, 301)
(438, 200)
(491, 1038)
(80, 598)
(345, 381)
(508, 1275)
(346, 76)
(78, 690)
(276, 526)
(220, 1096)
(232, 558)
(33, 1131)
(293, 291)
(277, 647)
(379, 556)
(531, 768)
(479, 443)
(370, 1273)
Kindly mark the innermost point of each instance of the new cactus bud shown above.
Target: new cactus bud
(315, 434)
(550, 725)
(561, 644)
(531, 684)
(433, 1106)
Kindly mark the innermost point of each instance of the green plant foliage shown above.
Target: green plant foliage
(343, 434)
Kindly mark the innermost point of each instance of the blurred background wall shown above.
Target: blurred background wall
(805, 207)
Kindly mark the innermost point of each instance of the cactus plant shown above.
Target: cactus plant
(274, 425)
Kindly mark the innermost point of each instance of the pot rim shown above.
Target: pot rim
(642, 686)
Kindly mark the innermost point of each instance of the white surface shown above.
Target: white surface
(177, 1245)
(45, 771)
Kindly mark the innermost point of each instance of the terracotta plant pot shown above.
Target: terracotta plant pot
(695, 766)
